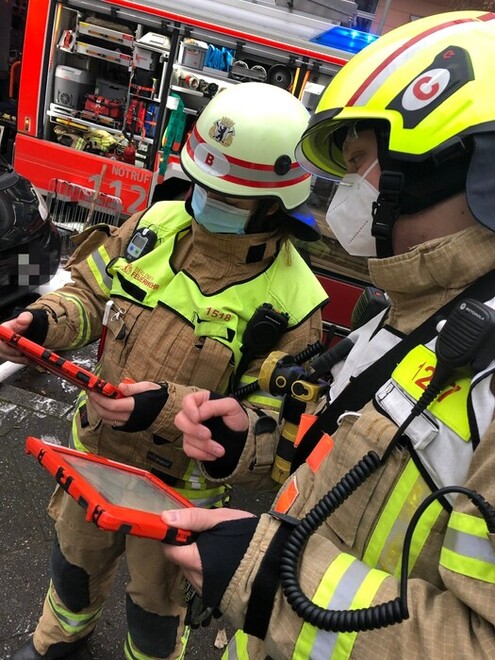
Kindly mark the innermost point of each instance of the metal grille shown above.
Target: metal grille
(74, 208)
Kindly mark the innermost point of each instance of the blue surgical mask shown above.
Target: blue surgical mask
(217, 217)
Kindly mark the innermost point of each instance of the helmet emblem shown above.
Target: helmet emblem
(223, 131)
(450, 70)
(425, 88)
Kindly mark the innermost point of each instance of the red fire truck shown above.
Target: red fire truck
(109, 90)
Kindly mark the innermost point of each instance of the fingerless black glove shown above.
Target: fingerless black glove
(147, 406)
(38, 328)
(221, 549)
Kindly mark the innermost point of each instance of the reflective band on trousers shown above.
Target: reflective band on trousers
(72, 623)
(237, 648)
(384, 549)
(132, 653)
(74, 440)
(467, 548)
(347, 584)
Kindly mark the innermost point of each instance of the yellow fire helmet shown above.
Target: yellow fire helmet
(243, 144)
(430, 84)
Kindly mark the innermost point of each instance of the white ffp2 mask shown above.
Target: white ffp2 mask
(349, 214)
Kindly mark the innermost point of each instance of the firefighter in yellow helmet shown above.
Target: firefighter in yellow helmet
(201, 290)
(381, 544)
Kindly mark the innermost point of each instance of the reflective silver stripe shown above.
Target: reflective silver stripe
(72, 625)
(209, 502)
(247, 174)
(84, 331)
(403, 54)
(347, 588)
(102, 268)
(237, 648)
(469, 545)
(230, 652)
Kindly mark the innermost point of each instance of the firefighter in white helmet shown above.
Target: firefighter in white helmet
(381, 544)
(192, 285)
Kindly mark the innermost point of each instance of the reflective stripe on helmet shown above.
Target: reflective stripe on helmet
(406, 51)
(234, 170)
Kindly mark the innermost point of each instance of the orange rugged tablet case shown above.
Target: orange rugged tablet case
(116, 497)
(50, 361)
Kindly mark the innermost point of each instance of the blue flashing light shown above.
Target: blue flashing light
(343, 38)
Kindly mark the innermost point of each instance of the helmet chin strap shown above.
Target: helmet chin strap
(259, 221)
(386, 210)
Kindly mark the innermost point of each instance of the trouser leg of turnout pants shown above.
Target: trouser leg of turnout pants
(244, 647)
(83, 564)
(155, 603)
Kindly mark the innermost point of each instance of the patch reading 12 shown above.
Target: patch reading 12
(116, 497)
(58, 365)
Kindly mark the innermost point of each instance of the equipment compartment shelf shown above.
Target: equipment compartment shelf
(107, 34)
(60, 117)
(186, 90)
(104, 54)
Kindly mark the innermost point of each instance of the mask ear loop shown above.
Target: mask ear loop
(375, 162)
(362, 177)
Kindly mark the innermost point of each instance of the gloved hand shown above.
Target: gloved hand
(212, 560)
(136, 410)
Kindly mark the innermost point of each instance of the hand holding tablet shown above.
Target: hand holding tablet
(116, 497)
(58, 365)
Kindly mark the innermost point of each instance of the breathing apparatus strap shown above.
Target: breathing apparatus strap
(361, 389)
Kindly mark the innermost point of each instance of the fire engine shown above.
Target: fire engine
(109, 89)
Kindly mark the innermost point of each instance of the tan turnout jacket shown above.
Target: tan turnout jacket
(156, 344)
(452, 614)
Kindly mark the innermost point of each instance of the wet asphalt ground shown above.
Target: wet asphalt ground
(40, 404)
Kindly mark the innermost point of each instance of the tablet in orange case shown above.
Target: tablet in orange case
(50, 361)
(116, 497)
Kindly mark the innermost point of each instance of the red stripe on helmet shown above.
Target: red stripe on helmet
(264, 184)
(254, 184)
(239, 161)
(419, 37)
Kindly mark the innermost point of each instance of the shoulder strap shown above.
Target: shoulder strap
(361, 389)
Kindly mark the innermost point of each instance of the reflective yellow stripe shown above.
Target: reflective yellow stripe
(132, 653)
(195, 488)
(84, 326)
(97, 263)
(194, 476)
(71, 622)
(207, 498)
(74, 440)
(324, 594)
(347, 584)
(259, 397)
(237, 648)
(463, 522)
(264, 401)
(384, 549)
(467, 549)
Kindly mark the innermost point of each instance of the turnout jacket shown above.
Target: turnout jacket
(353, 559)
(178, 316)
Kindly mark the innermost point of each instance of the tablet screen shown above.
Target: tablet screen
(123, 488)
